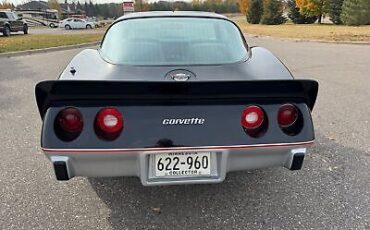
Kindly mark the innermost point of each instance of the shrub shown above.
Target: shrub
(272, 12)
(255, 11)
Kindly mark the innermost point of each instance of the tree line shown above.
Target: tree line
(6, 5)
(114, 10)
(349, 12)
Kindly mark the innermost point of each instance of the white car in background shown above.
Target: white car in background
(76, 23)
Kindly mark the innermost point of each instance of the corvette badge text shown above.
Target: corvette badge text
(183, 121)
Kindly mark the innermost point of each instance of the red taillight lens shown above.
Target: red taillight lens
(109, 123)
(70, 120)
(287, 115)
(68, 124)
(252, 117)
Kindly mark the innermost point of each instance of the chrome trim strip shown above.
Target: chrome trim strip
(52, 150)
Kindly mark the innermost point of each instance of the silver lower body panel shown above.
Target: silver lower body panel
(113, 164)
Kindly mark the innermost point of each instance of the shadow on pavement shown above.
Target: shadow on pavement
(315, 197)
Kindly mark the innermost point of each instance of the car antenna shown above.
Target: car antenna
(73, 71)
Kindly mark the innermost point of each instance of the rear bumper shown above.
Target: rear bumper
(110, 163)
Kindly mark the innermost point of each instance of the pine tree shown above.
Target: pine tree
(272, 12)
(334, 11)
(79, 8)
(97, 9)
(296, 16)
(355, 12)
(92, 9)
(86, 8)
(255, 11)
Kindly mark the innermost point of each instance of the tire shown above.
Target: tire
(52, 25)
(88, 26)
(6, 31)
(68, 27)
(25, 29)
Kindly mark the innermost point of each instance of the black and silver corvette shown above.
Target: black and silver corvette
(174, 98)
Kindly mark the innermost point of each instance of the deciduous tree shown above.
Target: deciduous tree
(243, 6)
(296, 16)
(4, 4)
(54, 4)
(311, 8)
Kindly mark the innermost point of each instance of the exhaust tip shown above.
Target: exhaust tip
(297, 161)
(61, 167)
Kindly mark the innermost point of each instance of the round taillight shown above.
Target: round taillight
(252, 117)
(70, 120)
(68, 124)
(287, 115)
(109, 123)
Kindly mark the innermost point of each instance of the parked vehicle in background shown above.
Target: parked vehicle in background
(76, 23)
(48, 17)
(93, 20)
(10, 22)
(65, 22)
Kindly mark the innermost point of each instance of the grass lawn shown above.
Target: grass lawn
(38, 41)
(323, 32)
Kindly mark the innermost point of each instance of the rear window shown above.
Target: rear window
(173, 41)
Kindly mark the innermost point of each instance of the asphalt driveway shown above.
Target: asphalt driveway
(331, 192)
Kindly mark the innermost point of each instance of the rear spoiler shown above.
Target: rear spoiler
(62, 92)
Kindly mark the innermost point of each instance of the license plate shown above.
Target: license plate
(182, 164)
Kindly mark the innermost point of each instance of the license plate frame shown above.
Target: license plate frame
(213, 165)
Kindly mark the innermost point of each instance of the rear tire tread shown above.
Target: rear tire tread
(25, 29)
(6, 31)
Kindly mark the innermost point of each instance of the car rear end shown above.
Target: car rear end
(61, 24)
(64, 22)
(174, 132)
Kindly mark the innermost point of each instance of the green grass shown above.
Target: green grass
(39, 41)
(324, 32)
(317, 32)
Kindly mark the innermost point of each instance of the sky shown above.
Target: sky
(16, 2)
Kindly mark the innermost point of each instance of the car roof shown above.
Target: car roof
(154, 14)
